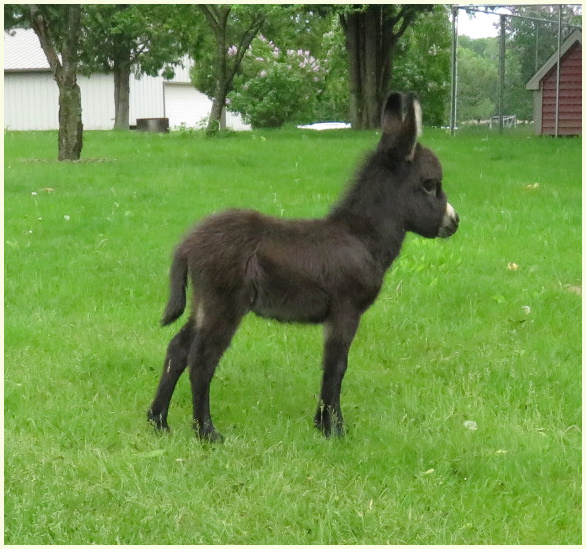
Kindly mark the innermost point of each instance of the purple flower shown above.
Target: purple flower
(232, 51)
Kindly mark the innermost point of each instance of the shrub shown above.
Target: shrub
(274, 86)
(334, 103)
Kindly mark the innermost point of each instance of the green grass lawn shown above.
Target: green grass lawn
(463, 395)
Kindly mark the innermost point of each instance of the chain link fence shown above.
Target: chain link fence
(490, 76)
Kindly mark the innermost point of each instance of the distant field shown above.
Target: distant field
(463, 395)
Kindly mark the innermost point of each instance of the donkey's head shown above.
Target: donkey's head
(424, 204)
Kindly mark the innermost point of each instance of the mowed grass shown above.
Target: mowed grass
(463, 395)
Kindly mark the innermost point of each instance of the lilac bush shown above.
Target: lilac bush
(275, 86)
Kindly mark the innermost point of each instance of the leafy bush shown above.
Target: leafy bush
(274, 86)
(334, 103)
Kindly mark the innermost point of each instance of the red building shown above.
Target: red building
(569, 102)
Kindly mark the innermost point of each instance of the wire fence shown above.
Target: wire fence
(517, 78)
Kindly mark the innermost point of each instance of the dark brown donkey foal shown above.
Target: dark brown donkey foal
(314, 271)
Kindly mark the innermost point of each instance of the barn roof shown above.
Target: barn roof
(23, 52)
(533, 84)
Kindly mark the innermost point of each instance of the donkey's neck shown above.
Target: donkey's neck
(369, 211)
(383, 244)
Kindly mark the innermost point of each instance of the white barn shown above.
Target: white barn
(31, 96)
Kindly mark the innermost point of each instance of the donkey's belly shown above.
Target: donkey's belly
(291, 304)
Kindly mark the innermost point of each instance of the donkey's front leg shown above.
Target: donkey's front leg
(338, 335)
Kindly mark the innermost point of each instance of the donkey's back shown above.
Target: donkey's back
(288, 270)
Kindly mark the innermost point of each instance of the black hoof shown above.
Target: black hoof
(332, 432)
(207, 432)
(329, 423)
(211, 436)
(159, 421)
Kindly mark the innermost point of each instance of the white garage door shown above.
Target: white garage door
(185, 105)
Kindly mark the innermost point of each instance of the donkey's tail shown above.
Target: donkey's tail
(178, 285)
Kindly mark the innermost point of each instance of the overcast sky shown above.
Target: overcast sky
(479, 26)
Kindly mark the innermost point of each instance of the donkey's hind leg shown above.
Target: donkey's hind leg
(175, 363)
(214, 334)
(339, 332)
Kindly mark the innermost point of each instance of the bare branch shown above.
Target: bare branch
(216, 16)
(42, 30)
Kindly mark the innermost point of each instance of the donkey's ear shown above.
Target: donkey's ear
(412, 126)
(401, 124)
(392, 116)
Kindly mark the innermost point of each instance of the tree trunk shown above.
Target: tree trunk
(372, 69)
(122, 95)
(351, 24)
(70, 139)
(215, 120)
(364, 48)
(388, 45)
(371, 35)
(221, 88)
(70, 124)
(218, 19)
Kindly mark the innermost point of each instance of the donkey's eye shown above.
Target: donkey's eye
(430, 186)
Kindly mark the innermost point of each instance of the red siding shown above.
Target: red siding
(570, 106)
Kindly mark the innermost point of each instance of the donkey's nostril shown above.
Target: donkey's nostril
(450, 222)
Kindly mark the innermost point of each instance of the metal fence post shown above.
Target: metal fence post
(453, 103)
(557, 83)
(502, 73)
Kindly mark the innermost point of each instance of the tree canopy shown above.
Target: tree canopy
(358, 53)
(121, 38)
